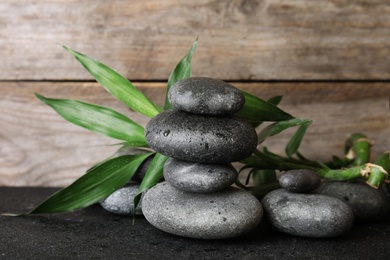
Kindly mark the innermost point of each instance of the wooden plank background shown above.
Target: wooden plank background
(330, 60)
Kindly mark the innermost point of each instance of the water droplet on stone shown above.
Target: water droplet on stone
(166, 133)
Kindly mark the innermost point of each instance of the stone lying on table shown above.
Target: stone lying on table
(205, 96)
(121, 201)
(367, 203)
(307, 215)
(219, 215)
(299, 180)
(198, 138)
(199, 177)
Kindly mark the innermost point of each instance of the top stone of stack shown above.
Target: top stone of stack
(201, 127)
(206, 96)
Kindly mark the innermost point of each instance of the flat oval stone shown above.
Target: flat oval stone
(121, 201)
(299, 180)
(367, 203)
(224, 214)
(198, 138)
(206, 96)
(199, 177)
(307, 215)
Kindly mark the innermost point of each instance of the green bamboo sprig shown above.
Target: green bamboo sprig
(357, 149)
(105, 177)
(379, 171)
(375, 173)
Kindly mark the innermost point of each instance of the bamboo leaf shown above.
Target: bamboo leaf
(295, 141)
(261, 177)
(254, 161)
(181, 71)
(278, 127)
(152, 176)
(258, 110)
(93, 186)
(273, 100)
(117, 85)
(98, 119)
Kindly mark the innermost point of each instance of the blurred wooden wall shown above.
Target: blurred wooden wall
(330, 60)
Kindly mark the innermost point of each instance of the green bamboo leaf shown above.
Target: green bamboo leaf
(273, 100)
(93, 186)
(249, 176)
(181, 71)
(260, 191)
(295, 141)
(239, 184)
(258, 110)
(152, 176)
(278, 127)
(117, 85)
(254, 161)
(261, 177)
(98, 119)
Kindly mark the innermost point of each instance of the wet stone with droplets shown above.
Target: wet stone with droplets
(307, 215)
(121, 201)
(219, 215)
(199, 177)
(206, 96)
(202, 136)
(367, 204)
(300, 181)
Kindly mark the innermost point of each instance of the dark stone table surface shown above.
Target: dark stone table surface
(92, 233)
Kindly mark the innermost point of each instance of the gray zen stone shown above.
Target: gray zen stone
(206, 96)
(198, 138)
(299, 180)
(224, 214)
(307, 215)
(121, 201)
(367, 203)
(199, 177)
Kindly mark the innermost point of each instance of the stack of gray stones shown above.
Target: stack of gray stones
(202, 137)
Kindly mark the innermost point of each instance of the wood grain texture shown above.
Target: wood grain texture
(39, 148)
(239, 39)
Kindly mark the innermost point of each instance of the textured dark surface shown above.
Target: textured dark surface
(367, 204)
(206, 96)
(93, 233)
(198, 138)
(121, 201)
(299, 180)
(199, 177)
(224, 214)
(308, 215)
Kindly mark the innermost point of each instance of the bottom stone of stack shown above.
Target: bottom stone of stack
(225, 214)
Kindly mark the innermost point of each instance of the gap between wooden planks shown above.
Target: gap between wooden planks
(39, 148)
